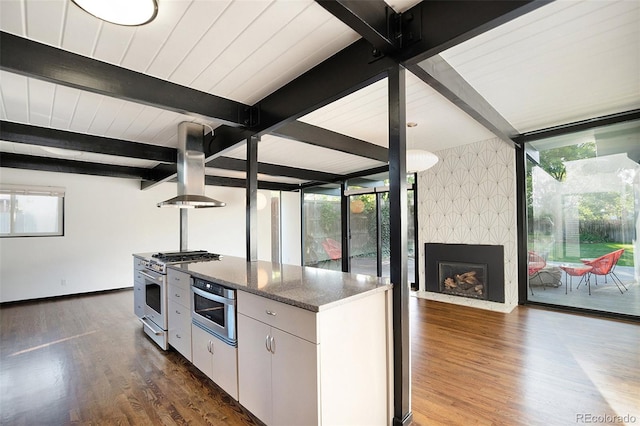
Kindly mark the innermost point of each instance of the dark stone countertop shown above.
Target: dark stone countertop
(313, 289)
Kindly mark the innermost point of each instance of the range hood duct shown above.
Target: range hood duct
(191, 170)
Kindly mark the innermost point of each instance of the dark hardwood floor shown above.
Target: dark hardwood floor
(85, 360)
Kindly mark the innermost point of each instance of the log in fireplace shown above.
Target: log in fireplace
(466, 270)
(463, 279)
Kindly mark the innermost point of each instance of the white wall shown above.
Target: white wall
(106, 220)
(469, 197)
(291, 228)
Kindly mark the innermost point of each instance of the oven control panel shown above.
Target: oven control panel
(214, 288)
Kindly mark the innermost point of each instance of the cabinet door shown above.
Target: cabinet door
(200, 345)
(294, 380)
(225, 366)
(254, 368)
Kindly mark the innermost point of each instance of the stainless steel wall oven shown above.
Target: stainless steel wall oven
(214, 308)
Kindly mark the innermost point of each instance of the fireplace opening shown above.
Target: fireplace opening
(466, 270)
(463, 279)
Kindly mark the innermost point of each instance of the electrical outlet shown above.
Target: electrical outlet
(63, 282)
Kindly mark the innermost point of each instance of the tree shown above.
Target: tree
(552, 160)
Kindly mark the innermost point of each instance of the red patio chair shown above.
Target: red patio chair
(604, 265)
(535, 265)
(332, 248)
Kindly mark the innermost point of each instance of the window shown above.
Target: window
(322, 228)
(29, 211)
(368, 222)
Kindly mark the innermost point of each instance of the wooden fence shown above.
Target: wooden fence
(616, 231)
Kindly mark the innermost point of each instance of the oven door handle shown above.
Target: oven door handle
(151, 277)
(212, 296)
(154, 328)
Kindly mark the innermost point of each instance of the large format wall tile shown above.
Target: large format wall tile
(469, 197)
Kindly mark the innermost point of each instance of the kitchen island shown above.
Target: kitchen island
(312, 289)
(313, 346)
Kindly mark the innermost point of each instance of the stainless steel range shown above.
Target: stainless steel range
(151, 281)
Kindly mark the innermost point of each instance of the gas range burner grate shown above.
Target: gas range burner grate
(186, 256)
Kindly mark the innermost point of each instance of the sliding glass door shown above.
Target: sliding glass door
(583, 209)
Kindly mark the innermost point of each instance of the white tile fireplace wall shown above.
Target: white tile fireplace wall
(469, 197)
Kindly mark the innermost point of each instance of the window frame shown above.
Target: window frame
(28, 190)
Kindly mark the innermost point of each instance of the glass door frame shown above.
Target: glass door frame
(378, 192)
(522, 156)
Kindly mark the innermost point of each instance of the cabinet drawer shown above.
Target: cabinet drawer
(180, 329)
(297, 321)
(180, 294)
(178, 278)
(179, 315)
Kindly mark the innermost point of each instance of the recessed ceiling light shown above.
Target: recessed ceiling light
(121, 12)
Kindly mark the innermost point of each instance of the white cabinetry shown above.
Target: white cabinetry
(138, 287)
(277, 374)
(216, 359)
(179, 295)
(297, 367)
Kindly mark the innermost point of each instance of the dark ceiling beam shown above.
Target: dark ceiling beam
(242, 183)
(223, 139)
(362, 173)
(374, 20)
(314, 135)
(31, 162)
(32, 59)
(441, 76)
(428, 29)
(167, 173)
(160, 174)
(42, 136)
(578, 126)
(349, 70)
(431, 27)
(227, 163)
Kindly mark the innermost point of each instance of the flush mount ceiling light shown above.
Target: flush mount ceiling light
(419, 160)
(61, 151)
(121, 12)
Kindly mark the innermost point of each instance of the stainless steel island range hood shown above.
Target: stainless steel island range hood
(191, 170)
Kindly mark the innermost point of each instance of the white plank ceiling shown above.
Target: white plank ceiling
(566, 61)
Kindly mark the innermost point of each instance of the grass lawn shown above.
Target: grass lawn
(590, 251)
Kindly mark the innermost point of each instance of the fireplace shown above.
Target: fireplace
(463, 279)
(466, 270)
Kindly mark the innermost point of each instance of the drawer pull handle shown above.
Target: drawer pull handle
(271, 313)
